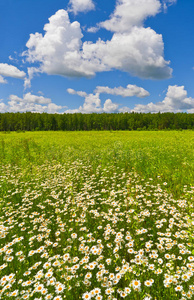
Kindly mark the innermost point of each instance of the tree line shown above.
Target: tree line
(29, 121)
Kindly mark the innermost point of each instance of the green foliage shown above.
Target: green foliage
(85, 122)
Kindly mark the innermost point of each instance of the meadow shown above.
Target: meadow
(97, 215)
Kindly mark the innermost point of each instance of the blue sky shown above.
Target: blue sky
(96, 56)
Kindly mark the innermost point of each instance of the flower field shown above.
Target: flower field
(80, 218)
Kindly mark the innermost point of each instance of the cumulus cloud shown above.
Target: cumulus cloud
(31, 103)
(11, 71)
(129, 91)
(2, 80)
(139, 52)
(79, 93)
(110, 107)
(14, 106)
(29, 98)
(129, 13)
(176, 100)
(3, 107)
(77, 6)
(53, 108)
(60, 50)
(124, 109)
(92, 104)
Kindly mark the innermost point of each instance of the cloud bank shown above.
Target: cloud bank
(92, 103)
(31, 103)
(176, 100)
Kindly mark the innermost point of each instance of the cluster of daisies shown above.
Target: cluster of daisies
(69, 232)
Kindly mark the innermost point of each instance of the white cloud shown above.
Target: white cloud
(60, 51)
(170, 2)
(139, 52)
(129, 13)
(110, 107)
(92, 104)
(129, 91)
(93, 29)
(124, 109)
(167, 3)
(176, 100)
(31, 72)
(2, 80)
(79, 93)
(77, 6)
(11, 71)
(3, 107)
(31, 103)
(29, 98)
(14, 106)
(53, 108)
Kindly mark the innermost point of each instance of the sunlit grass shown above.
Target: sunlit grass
(168, 154)
(96, 215)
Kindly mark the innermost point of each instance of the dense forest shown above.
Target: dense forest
(29, 121)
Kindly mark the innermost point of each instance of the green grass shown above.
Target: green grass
(104, 214)
(152, 154)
